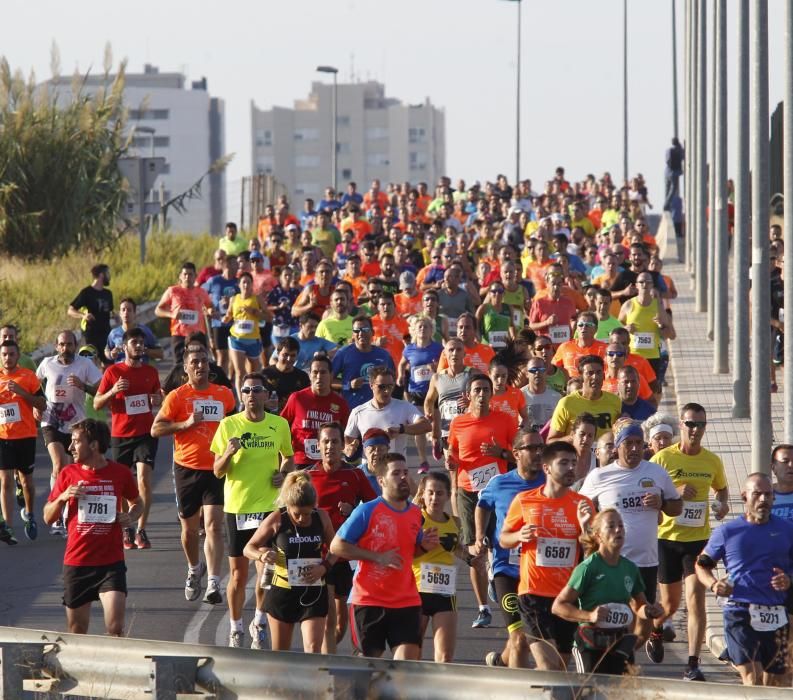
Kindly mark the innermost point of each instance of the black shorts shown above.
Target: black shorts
(676, 559)
(266, 334)
(432, 603)
(221, 337)
(196, 488)
(466, 506)
(83, 584)
(416, 399)
(340, 577)
(507, 596)
(540, 623)
(237, 539)
(51, 435)
(649, 575)
(134, 450)
(292, 605)
(372, 627)
(18, 454)
(614, 662)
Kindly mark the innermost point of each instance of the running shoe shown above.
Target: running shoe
(213, 595)
(493, 658)
(483, 619)
(258, 634)
(693, 673)
(7, 535)
(142, 540)
(129, 538)
(20, 494)
(669, 632)
(58, 528)
(192, 586)
(654, 647)
(31, 528)
(424, 467)
(236, 639)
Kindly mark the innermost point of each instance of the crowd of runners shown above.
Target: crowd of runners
(517, 339)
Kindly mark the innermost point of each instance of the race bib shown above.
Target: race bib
(693, 514)
(137, 404)
(619, 615)
(189, 317)
(517, 318)
(767, 618)
(631, 501)
(62, 393)
(244, 327)
(498, 339)
(422, 373)
(438, 578)
(559, 334)
(450, 409)
(9, 413)
(249, 521)
(311, 448)
(297, 568)
(452, 325)
(96, 509)
(514, 556)
(555, 552)
(644, 341)
(281, 331)
(481, 475)
(212, 410)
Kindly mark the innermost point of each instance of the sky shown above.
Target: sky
(459, 53)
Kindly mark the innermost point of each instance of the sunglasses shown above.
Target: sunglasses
(691, 424)
(615, 353)
(361, 330)
(496, 291)
(385, 387)
(585, 324)
(258, 389)
(536, 370)
(530, 447)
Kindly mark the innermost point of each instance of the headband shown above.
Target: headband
(632, 430)
(661, 428)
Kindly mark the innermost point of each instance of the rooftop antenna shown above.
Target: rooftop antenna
(352, 66)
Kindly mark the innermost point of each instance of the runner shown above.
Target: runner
(245, 311)
(494, 317)
(545, 523)
(20, 396)
(113, 350)
(602, 594)
(191, 414)
(695, 472)
(253, 450)
(478, 450)
(782, 468)
(67, 380)
(87, 495)
(552, 315)
(129, 388)
(283, 376)
(540, 399)
(310, 343)
(221, 289)
(555, 377)
(496, 497)
(177, 376)
(569, 352)
(389, 329)
(336, 327)
(757, 551)
(382, 535)
(93, 306)
(506, 398)
(477, 355)
(294, 540)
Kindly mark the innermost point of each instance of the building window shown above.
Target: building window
(304, 161)
(306, 188)
(342, 147)
(377, 159)
(376, 132)
(137, 114)
(418, 160)
(144, 142)
(264, 165)
(162, 141)
(343, 120)
(417, 135)
(306, 134)
(264, 137)
(346, 174)
(166, 169)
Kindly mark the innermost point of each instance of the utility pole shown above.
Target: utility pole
(721, 335)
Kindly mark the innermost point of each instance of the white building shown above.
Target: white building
(188, 131)
(377, 137)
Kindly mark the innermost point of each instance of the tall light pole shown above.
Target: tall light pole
(625, 89)
(674, 67)
(334, 109)
(517, 99)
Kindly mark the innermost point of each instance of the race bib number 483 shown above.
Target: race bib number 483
(134, 405)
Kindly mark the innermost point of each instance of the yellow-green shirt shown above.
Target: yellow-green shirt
(245, 324)
(606, 410)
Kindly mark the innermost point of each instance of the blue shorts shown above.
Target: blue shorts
(745, 644)
(251, 348)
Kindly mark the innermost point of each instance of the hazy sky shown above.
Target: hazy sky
(459, 53)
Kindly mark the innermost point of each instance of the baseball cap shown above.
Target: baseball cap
(87, 351)
(407, 279)
(256, 255)
(291, 227)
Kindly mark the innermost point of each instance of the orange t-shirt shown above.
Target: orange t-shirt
(394, 331)
(189, 305)
(643, 367)
(511, 402)
(407, 306)
(16, 414)
(535, 271)
(358, 285)
(466, 435)
(568, 354)
(477, 357)
(360, 228)
(645, 392)
(191, 446)
(547, 561)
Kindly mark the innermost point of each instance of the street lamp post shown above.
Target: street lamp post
(517, 99)
(334, 109)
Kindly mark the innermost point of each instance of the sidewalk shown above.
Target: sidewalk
(691, 376)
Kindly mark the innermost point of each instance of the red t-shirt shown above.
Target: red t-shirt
(466, 436)
(345, 485)
(564, 310)
(94, 543)
(130, 410)
(305, 412)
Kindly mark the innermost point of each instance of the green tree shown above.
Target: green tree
(60, 187)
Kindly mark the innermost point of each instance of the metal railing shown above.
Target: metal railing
(47, 665)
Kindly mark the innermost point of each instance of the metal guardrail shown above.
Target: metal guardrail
(48, 665)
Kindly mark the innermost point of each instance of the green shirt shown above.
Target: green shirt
(26, 362)
(335, 330)
(599, 583)
(605, 327)
(326, 239)
(235, 247)
(249, 480)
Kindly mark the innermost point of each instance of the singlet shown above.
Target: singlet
(557, 381)
(245, 325)
(516, 302)
(646, 338)
(422, 363)
(450, 389)
(435, 571)
(496, 325)
(293, 546)
(783, 505)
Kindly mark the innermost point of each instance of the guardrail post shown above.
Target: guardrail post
(349, 683)
(20, 663)
(174, 678)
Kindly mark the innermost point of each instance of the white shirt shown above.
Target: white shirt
(621, 488)
(540, 406)
(396, 413)
(65, 404)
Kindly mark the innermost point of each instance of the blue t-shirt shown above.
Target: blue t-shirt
(117, 333)
(307, 350)
(221, 290)
(498, 496)
(750, 553)
(350, 363)
(329, 205)
(640, 410)
(783, 506)
(421, 369)
(355, 198)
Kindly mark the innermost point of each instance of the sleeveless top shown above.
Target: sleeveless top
(295, 544)
(495, 325)
(449, 390)
(646, 338)
(443, 554)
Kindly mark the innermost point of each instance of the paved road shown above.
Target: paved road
(30, 586)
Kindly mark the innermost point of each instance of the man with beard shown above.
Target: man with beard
(93, 306)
